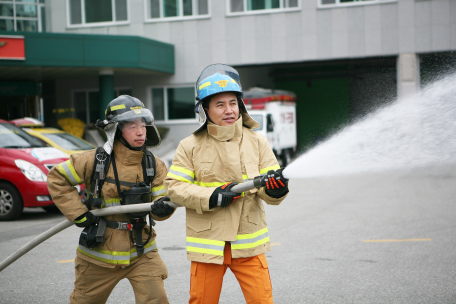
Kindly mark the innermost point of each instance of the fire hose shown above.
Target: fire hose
(255, 183)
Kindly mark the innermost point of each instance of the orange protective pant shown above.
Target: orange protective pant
(252, 274)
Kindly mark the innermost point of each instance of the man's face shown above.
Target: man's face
(134, 132)
(223, 109)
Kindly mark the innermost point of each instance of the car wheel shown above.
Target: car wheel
(52, 209)
(286, 157)
(11, 205)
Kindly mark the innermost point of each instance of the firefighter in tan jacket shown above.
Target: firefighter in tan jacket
(225, 229)
(126, 248)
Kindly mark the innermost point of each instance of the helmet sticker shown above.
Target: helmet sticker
(222, 83)
(206, 84)
(118, 107)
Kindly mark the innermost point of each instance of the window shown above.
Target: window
(86, 104)
(173, 103)
(22, 15)
(99, 12)
(330, 3)
(160, 10)
(257, 6)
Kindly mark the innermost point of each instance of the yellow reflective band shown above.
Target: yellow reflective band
(110, 261)
(205, 246)
(73, 171)
(251, 235)
(177, 177)
(118, 107)
(232, 80)
(115, 257)
(158, 191)
(265, 170)
(250, 245)
(251, 240)
(214, 184)
(205, 241)
(62, 171)
(67, 170)
(206, 84)
(206, 251)
(158, 188)
(81, 220)
(183, 170)
(112, 202)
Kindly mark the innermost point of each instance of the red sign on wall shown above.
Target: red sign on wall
(12, 47)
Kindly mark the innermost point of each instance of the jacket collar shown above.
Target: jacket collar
(125, 155)
(224, 133)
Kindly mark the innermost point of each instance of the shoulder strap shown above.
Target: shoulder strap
(149, 166)
(94, 177)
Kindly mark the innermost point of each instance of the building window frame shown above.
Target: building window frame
(38, 7)
(337, 3)
(181, 17)
(87, 91)
(166, 103)
(245, 12)
(85, 24)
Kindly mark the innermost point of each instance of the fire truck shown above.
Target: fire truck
(275, 111)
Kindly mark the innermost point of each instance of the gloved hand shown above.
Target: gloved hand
(160, 208)
(224, 195)
(85, 220)
(276, 185)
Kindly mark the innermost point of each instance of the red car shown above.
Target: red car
(24, 164)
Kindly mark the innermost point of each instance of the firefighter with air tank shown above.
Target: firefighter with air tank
(224, 228)
(121, 172)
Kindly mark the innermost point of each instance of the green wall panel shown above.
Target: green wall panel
(322, 107)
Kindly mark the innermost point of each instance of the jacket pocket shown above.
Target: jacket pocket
(254, 217)
(265, 272)
(198, 224)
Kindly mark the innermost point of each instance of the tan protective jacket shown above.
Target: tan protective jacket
(209, 159)
(117, 248)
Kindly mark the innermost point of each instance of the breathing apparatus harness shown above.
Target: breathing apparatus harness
(138, 193)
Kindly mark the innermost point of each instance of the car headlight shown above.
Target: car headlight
(31, 171)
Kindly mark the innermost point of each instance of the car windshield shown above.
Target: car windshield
(12, 137)
(259, 119)
(68, 141)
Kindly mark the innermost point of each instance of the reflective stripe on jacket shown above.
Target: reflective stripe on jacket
(117, 248)
(209, 159)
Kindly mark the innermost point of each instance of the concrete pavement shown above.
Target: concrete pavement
(370, 238)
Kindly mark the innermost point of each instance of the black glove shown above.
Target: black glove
(224, 195)
(160, 208)
(275, 184)
(85, 220)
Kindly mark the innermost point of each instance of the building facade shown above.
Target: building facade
(342, 58)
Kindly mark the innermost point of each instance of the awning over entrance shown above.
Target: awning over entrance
(30, 63)
(48, 55)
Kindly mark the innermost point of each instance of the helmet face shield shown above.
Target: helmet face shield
(134, 114)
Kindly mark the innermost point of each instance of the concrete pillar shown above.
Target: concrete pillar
(106, 89)
(408, 74)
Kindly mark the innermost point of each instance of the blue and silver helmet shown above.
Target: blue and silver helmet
(215, 79)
